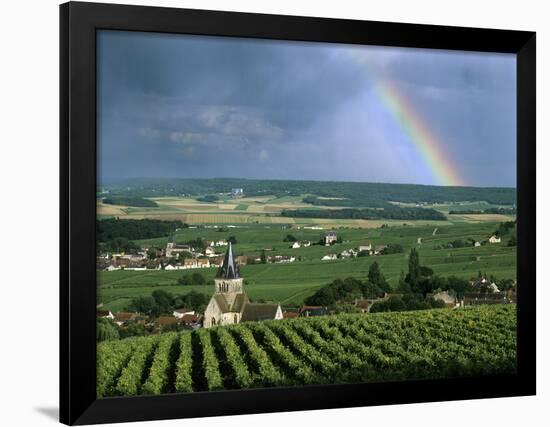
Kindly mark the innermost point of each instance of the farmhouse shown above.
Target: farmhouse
(485, 286)
(173, 249)
(494, 239)
(181, 312)
(104, 314)
(210, 252)
(329, 257)
(230, 304)
(196, 263)
(191, 321)
(330, 238)
(123, 317)
(163, 321)
(365, 248)
(242, 260)
(281, 258)
(446, 297)
(301, 244)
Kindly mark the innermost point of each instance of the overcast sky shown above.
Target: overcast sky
(190, 106)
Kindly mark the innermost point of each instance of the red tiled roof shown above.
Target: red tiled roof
(124, 315)
(166, 320)
(190, 318)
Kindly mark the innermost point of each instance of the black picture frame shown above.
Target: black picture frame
(78, 25)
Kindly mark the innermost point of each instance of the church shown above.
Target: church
(230, 304)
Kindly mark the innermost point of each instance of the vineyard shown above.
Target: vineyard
(323, 350)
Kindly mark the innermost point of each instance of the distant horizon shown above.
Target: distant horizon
(121, 180)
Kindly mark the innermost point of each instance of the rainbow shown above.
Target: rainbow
(425, 142)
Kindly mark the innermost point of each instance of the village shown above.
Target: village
(230, 304)
(178, 256)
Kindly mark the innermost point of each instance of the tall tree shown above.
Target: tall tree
(414, 267)
(376, 277)
(403, 286)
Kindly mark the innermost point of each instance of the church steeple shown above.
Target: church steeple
(229, 268)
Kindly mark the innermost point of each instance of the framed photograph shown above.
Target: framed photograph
(267, 213)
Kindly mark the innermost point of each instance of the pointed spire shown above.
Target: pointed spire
(229, 268)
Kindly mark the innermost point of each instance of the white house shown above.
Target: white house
(446, 297)
(210, 252)
(329, 257)
(173, 249)
(301, 244)
(494, 239)
(180, 312)
(282, 258)
(330, 238)
(365, 248)
(105, 315)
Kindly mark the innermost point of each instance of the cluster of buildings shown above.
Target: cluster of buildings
(183, 318)
(367, 250)
(168, 258)
(301, 244)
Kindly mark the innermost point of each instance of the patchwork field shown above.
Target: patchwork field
(267, 210)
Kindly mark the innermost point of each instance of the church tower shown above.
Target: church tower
(227, 303)
(228, 282)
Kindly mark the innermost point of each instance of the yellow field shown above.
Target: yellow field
(109, 210)
(215, 219)
(262, 210)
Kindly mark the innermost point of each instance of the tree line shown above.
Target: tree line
(391, 212)
(329, 193)
(130, 201)
(135, 229)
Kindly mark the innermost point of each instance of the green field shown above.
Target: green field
(324, 350)
(290, 283)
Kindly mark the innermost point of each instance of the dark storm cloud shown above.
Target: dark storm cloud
(183, 106)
